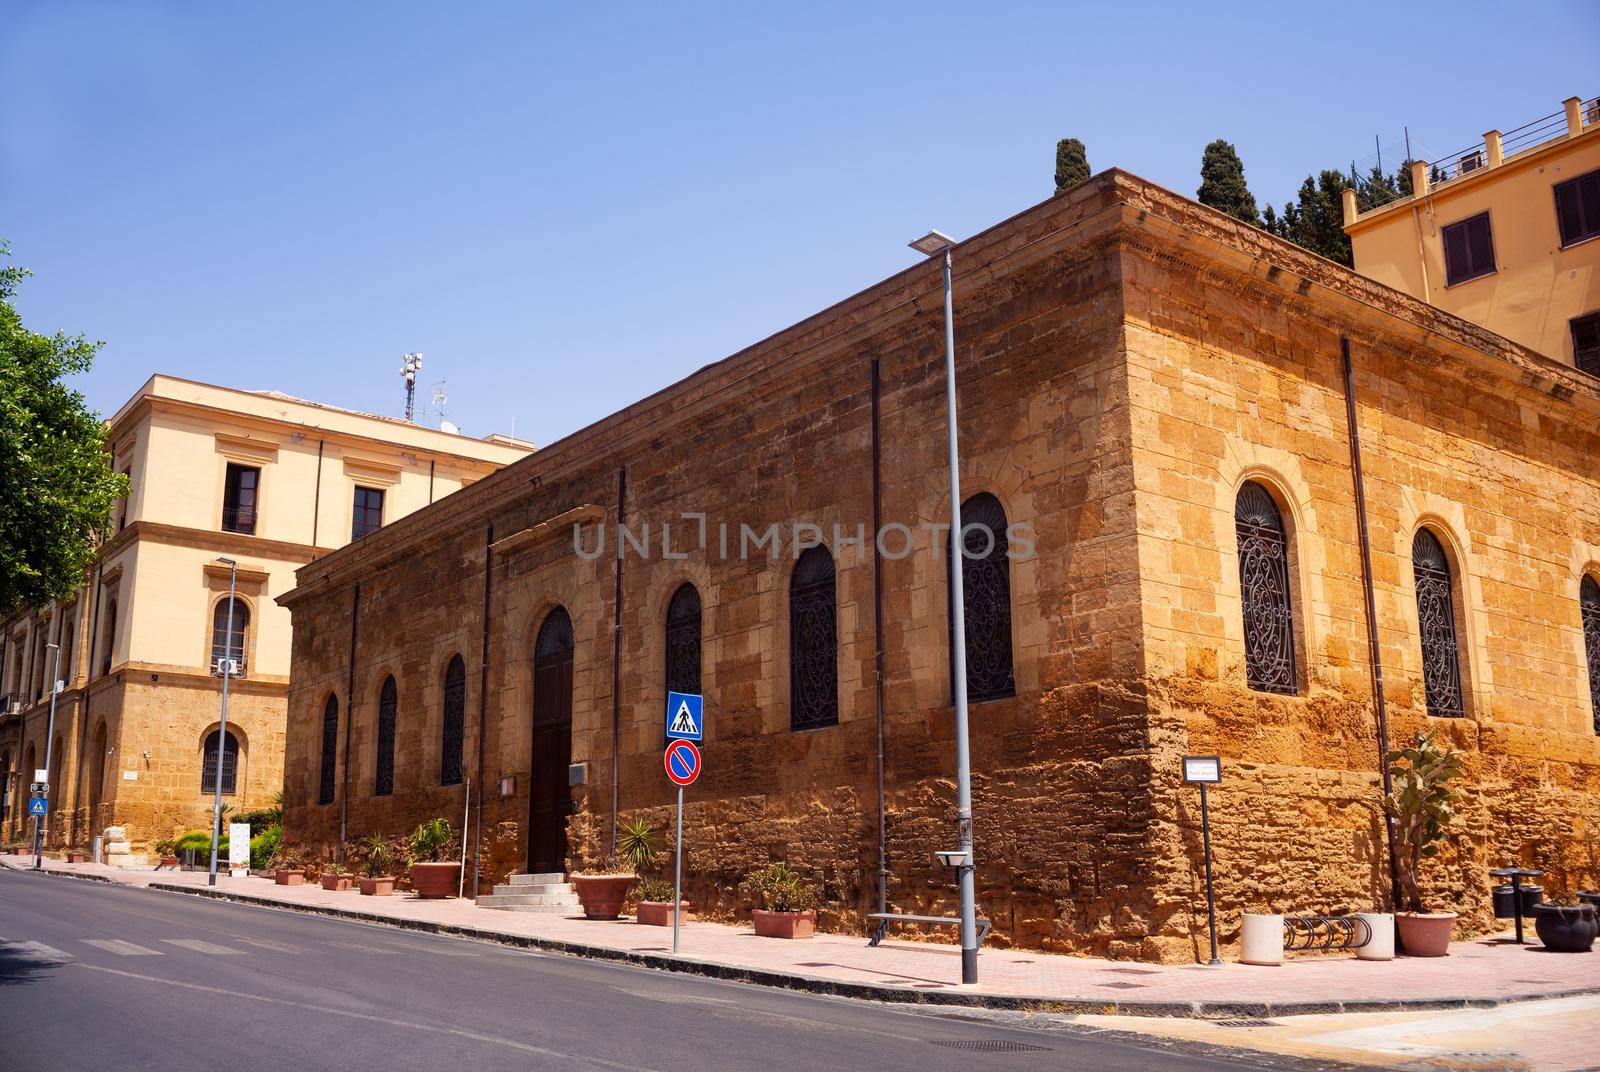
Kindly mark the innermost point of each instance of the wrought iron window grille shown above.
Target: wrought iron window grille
(813, 642)
(1269, 658)
(1436, 619)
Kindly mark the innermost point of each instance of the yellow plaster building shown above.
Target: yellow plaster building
(1502, 234)
(267, 480)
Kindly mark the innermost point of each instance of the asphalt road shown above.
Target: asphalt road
(94, 976)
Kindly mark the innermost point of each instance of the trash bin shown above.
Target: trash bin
(1503, 908)
(1531, 895)
(1589, 897)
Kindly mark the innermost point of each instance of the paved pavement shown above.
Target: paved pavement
(1481, 972)
(102, 976)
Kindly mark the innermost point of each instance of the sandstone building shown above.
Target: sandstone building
(1155, 415)
(267, 480)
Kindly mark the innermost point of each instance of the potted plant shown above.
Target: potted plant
(654, 906)
(1566, 928)
(167, 852)
(76, 856)
(377, 882)
(602, 892)
(335, 877)
(786, 904)
(433, 874)
(288, 870)
(1422, 804)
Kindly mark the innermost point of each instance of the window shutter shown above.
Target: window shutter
(1586, 343)
(1569, 214)
(1589, 204)
(1480, 245)
(1455, 254)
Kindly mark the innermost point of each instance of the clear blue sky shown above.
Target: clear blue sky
(565, 212)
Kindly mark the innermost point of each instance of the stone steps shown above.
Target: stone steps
(546, 892)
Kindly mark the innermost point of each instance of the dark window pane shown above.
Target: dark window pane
(1436, 618)
(368, 513)
(1468, 249)
(1578, 208)
(1264, 588)
(1589, 605)
(223, 644)
(388, 708)
(986, 600)
(1586, 343)
(813, 642)
(330, 750)
(239, 499)
(455, 722)
(230, 764)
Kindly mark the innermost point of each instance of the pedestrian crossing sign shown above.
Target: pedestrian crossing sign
(685, 716)
(36, 806)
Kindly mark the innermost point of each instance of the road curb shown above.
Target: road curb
(1207, 1010)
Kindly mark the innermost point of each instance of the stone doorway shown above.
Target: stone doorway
(550, 800)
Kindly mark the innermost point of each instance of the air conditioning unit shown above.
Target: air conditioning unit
(225, 668)
(1471, 162)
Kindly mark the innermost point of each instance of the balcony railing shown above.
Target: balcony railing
(241, 519)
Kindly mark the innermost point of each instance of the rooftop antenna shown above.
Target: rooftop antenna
(408, 371)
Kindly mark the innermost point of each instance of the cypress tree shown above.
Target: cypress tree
(1072, 164)
(1222, 184)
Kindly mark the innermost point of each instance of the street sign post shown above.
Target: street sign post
(685, 715)
(1204, 771)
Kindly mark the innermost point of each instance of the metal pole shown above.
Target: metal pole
(222, 730)
(958, 618)
(1211, 897)
(49, 744)
(466, 813)
(677, 874)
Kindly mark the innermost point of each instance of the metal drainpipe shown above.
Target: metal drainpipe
(431, 463)
(316, 495)
(616, 660)
(877, 640)
(483, 704)
(349, 719)
(1372, 613)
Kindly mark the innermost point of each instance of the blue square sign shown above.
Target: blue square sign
(685, 716)
(36, 806)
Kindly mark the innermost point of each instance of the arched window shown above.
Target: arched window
(230, 763)
(388, 707)
(1589, 605)
(1269, 664)
(813, 642)
(550, 796)
(330, 750)
(683, 640)
(108, 637)
(226, 645)
(455, 722)
(1436, 617)
(6, 785)
(66, 635)
(986, 589)
(24, 776)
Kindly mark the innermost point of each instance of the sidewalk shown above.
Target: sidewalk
(1480, 973)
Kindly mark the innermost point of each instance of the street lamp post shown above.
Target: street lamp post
(933, 244)
(49, 744)
(222, 729)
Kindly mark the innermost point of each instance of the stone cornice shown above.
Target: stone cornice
(236, 543)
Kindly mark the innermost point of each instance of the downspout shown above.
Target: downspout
(877, 642)
(316, 497)
(616, 659)
(83, 731)
(1372, 615)
(483, 703)
(431, 463)
(349, 719)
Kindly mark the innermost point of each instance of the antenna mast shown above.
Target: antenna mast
(408, 371)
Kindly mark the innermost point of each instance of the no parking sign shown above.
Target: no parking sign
(682, 762)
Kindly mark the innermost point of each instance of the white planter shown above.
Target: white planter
(1381, 947)
(1261, 940)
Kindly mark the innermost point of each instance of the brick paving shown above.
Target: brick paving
(1485, 971)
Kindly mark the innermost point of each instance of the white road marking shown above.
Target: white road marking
(121, 948)
(456, 1031)
(39, 951)
(195, 945)
(356, 948)
(266, 943)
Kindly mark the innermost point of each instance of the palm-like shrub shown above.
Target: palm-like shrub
(777, 888)
(430, 842)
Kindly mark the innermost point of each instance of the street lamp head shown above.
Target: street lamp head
(932, 243)
(229, 561)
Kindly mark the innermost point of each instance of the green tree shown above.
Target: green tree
(56, 484)
(1072, 164)
(1222, 184)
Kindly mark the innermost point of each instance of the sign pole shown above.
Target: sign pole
(677, 874)
(1211, 898)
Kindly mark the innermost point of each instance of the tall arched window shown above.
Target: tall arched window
(455, 722)
(7, 786)
(226, 645)
(108, 638)
(683, 640)
(986, 591)
(1264, 591)
(388, 708)
(1436, 617)
(330, 750)
(1589, 606)
(230, 763)
(813, 642)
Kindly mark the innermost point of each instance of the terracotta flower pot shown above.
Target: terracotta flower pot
(289, 876)
(435, 880)
(784, 924)
(1425, 934)
(602, 895)
(659, 913)
(382, 886)
(76, 857)
(1566, 928)
(337, 883)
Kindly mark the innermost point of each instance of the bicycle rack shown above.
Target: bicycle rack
(1322, 934)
